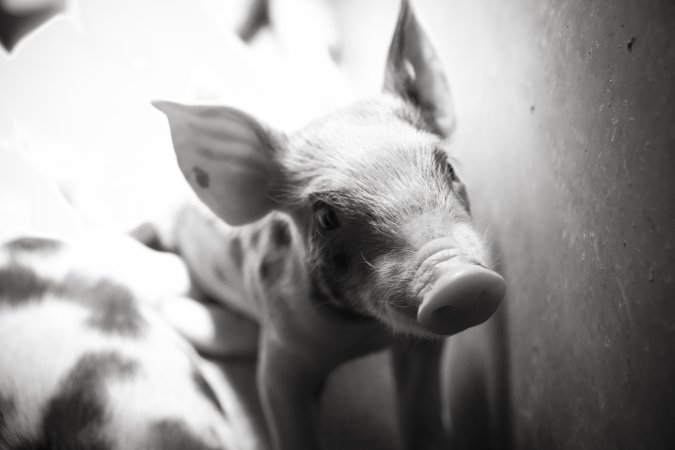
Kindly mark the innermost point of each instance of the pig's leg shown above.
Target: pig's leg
(289, 388)
(416, 368)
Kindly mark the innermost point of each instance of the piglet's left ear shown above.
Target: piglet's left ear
(415, 73)
(227, 157)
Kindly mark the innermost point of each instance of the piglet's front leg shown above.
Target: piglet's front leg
(301, 344)
(289, 388)
(416, 369)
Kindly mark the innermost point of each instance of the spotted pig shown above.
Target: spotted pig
(86, 364)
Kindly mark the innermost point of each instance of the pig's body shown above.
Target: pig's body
(355, 233)
(314, 315)
(87, 364)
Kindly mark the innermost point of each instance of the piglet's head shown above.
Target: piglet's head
(383, 217)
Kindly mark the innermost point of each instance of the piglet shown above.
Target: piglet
(345, 237)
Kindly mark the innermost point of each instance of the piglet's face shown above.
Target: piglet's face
(386, 220)
(383, 216)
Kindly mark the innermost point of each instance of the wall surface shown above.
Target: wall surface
(567, 138)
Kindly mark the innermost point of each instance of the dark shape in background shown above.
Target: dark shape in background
(18, 19)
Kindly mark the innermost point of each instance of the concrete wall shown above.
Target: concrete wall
(567, 138)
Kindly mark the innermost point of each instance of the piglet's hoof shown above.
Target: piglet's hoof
(464, 296)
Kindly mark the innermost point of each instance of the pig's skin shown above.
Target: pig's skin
(348, 223)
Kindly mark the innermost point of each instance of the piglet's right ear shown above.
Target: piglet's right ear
(226, 156)
(415, 73)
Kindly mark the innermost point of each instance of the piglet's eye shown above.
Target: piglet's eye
(326, 218)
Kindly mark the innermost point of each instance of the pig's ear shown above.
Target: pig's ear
(227, 157)
(415, 73)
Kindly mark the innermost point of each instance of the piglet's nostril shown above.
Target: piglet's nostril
(464, 296)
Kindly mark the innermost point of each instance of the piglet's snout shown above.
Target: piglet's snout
(464, 295)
